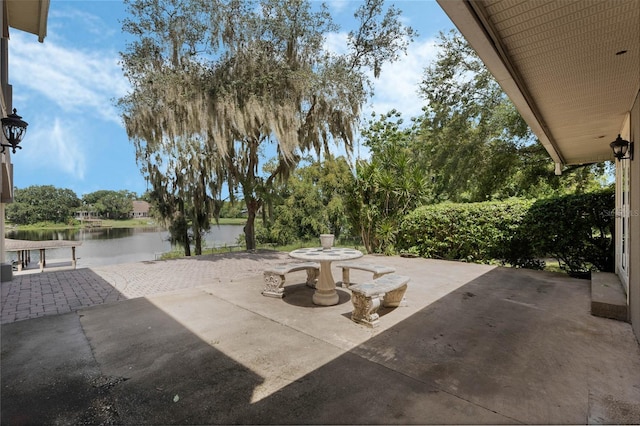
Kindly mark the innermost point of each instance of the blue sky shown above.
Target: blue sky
(66, 88)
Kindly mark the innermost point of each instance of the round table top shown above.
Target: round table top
(319, 254)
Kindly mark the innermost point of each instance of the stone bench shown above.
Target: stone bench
(274, 277)
(377, 270)
(387, 290)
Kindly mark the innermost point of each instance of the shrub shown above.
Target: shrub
(274, 234)
(474, 232)
(577, 230)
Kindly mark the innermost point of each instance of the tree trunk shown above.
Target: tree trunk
(187, 246)
(249, 228)
(197, 240)
(185, 235)
(366, 241)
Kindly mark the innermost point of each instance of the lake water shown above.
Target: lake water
(108, 246)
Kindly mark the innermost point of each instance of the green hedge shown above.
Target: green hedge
(577, 230)
(475, 232)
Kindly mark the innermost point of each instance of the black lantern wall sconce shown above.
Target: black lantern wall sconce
(621, 148)
(14, 129)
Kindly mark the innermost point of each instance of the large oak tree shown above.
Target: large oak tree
(241, 76)
(474, 144)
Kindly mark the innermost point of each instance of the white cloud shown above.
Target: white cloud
(54, 147)
(397, 86)
(337, 6)
(336, 43)
(93, 24)
(77, 81)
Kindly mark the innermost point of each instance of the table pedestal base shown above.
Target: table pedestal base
(325, 294)
(325, 299)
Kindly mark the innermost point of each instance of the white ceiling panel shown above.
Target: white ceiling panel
(563, 57)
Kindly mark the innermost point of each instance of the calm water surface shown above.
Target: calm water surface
(108, 246)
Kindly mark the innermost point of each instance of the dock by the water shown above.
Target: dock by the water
(24, 248)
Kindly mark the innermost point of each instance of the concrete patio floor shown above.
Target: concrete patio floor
(476, 344)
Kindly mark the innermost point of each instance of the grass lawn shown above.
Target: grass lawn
(177, 254)
(110, 223)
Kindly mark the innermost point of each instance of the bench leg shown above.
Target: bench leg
(395, 298)
(273, 285)
(345, 278)
(376, 276)
(312, 277)
(365, 309)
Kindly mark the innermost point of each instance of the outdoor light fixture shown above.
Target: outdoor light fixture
(621, 147)
(14, 129)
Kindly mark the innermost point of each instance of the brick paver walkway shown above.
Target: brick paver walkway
(48, 293)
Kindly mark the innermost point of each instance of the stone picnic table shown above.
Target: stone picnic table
(325, 293)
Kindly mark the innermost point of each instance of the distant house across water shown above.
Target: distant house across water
(140, 209)
(86, 214)
(89, 218)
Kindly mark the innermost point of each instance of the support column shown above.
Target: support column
(6, 273)
(43, 261)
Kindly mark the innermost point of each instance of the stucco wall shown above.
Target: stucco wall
(634, 221)
(6, 184)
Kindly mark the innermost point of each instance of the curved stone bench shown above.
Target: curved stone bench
(366, 297)
(377, 270)
(274, 277)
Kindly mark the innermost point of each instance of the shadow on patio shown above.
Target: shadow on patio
(477, 344)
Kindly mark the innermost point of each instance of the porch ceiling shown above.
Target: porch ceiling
(560, 62)
(29, 16)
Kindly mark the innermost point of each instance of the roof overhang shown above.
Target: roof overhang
(560, 62)
(28, 15)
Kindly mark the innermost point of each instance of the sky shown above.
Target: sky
(66, 89)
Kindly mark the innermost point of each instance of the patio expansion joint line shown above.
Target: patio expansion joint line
(280, 323)
(203, 288)
(98, 365)
(117, 280)
(439, 389)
